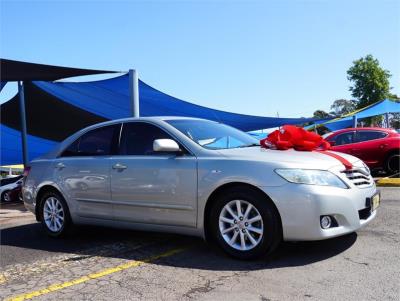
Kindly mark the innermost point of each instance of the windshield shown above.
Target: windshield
(212, 135)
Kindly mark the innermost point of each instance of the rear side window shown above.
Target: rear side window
(370, 135)
(138, 137)
(345, 138)
(98, 142)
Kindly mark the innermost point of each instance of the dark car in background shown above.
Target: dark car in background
(7, 186)
(379, 148)
(16, 194)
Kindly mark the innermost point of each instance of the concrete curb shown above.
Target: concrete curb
(388, 182)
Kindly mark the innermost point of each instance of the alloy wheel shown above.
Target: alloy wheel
(241, 225)
(53, 214)
(7, 196)
(393, 163)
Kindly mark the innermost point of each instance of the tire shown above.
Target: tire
(262, 215)
(54, 214)
(5, 196)
(392, 163)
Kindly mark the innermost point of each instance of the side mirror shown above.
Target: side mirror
(332, 143)
(165, 145)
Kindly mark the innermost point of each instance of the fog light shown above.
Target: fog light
(326, 222)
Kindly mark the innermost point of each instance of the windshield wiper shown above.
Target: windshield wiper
(249, 145)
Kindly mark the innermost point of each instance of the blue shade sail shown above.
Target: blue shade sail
(11, 150)
(2, 84)
(110, 99)
(381, 107)
(100, 100)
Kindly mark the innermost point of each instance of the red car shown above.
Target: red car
(379, 148)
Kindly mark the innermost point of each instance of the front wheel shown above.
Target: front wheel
(245, 224)
(55, 216)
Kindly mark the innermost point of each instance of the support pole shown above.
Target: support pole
(354, 121)
(21, 93)
(387, 120)
(134, 92)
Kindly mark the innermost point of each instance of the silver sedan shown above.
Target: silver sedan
(197, 177)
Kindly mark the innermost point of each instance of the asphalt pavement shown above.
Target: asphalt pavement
(97, 263)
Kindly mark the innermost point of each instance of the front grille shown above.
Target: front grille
(359, 178)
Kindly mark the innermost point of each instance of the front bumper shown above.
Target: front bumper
(301, 206)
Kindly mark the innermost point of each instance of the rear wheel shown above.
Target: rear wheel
(55, 216)
(392, 164)
(245, 224)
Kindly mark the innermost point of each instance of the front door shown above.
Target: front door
(344, 142)
(150, 187)
(370, 146)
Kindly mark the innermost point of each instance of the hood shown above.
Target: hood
(290, 158)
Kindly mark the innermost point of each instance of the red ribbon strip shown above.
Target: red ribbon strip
(345, 162)
(290, 136)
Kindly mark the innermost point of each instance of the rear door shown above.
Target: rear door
(83, 172)
(152, 187)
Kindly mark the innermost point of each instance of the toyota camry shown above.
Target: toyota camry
(197, 177)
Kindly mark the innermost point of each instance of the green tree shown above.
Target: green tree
(370, 81)
(343, 106)
(394, 118)
(321, 114)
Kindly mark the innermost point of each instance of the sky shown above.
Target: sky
(252, 57)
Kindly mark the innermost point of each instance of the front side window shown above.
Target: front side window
(345, 138)
(369, 135)
(97, 142)
(213, 135)
(138, 137)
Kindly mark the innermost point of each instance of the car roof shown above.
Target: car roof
(153, 118)
(389, 130)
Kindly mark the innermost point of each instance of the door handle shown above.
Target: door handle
(119, 166)
(60, 165)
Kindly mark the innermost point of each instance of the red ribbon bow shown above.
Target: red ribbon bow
(290, 136)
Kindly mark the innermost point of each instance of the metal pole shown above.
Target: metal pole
(25, 158)
(354, 121)
(134, 92)
(387, 120)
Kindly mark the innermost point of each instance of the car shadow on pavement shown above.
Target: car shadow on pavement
(29, 242)
(288, 254)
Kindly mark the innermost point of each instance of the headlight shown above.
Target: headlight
(311, 177)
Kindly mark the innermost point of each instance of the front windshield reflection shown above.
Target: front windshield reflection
(213, 135)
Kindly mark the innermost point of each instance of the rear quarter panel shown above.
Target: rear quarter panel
(40, 175)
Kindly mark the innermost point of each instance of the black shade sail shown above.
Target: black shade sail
(22, 71)
(46, 116)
